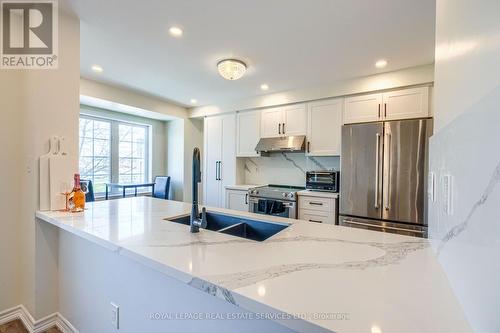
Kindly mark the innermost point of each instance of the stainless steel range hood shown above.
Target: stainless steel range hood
(281, 144)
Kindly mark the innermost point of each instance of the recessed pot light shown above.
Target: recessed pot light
(264, 86)
(193, 101)
(381, 63)
(97, 69)
(175, 31)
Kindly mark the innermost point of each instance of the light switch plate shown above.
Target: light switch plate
(448, 194)
(115, 315)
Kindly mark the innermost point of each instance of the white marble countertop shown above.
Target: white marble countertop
(363, 281)
(241, 187)
(318, 194)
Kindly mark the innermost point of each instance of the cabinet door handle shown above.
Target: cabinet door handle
(385, 110)
(315, 203)
(220, 170)
(317, 221)
(217, 170)
(283, 128)
(379, 110)
(279, 128)
(246, 198)
(308, 146)
(377, 166)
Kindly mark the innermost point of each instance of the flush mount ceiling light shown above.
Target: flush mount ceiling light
(231, 69)
(193, 101)
(264, 87)
(97, 68)
(381, 63)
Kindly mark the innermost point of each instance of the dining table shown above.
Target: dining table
(125, 186)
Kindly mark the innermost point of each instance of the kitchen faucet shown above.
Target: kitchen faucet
(195, 221)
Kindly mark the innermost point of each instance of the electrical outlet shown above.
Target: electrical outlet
(448, 194)
(115, 315)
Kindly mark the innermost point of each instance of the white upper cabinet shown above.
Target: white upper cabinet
(283, 121)
(363, 108)
(271, 122)
(392, 105)
(407, 103)
(247, 133)
(324, 122)
(294, 120)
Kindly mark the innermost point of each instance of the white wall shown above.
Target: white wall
(131, 100)
(91, 277)
(466, 146)
(10, 194)
(175, 157)
(193, 137)
(35, 104)
(401, 78)
(182, 136)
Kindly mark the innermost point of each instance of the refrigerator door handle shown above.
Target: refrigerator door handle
(377, 170)
(388, 150)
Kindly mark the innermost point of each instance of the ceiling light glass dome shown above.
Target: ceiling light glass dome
(231, 69)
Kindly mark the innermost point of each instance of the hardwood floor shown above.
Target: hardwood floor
(16, 326)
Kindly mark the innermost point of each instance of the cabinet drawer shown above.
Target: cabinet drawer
(317, 204)
(316, 216)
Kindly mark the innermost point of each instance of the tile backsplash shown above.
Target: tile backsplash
(285, 168)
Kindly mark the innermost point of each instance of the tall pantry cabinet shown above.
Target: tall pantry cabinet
(219, 162)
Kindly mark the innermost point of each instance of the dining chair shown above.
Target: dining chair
(88, 188)
(161, 187)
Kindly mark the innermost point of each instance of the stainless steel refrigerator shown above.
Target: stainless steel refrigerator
(384, 174)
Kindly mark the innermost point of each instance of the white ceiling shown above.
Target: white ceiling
(288, 44)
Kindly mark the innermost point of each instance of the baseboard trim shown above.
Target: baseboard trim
(36, 326)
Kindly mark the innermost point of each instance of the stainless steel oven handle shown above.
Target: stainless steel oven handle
(377, 170)
(285, 203)
(382, 227)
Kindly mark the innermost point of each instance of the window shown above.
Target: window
(132, 153)
(95, 152)
(113, 151)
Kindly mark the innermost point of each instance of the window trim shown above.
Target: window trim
(115, 142)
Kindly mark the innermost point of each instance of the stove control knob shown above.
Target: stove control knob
(251, 191)
(290, 195)
(256, 192)
(283, 194)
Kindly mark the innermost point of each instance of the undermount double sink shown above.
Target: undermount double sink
(237, 226)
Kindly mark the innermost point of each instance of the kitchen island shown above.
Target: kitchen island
(307, 278)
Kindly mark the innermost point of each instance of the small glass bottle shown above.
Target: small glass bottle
(77, 196)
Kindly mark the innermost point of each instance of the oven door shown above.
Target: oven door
(290, 210)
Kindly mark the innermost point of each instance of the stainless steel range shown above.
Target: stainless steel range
(276, 200)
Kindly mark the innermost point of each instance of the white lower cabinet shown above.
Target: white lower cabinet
(237, 200)
(318, 207)
(219, 167)
(316, 216)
